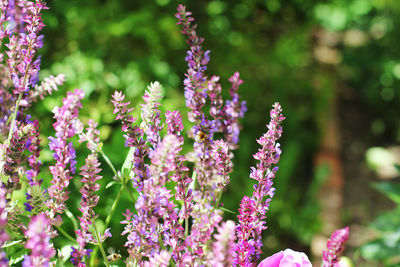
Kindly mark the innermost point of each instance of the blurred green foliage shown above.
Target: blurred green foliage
(385, 247)
(302, 53)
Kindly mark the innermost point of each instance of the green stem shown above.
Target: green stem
(128, 189)
(107, 222)
(186, 227)
(100, 245)
(108, 161)
(113, 208)
(14, 116)
(68, 236)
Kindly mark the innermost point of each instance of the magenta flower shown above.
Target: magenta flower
(286, 258)
(335, 245)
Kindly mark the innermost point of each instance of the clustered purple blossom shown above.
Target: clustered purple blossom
(335, 245)
(64, 153)
(253, 209)
(38, 241)
(178, 219)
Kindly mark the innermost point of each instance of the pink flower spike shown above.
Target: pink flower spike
(335, 245)
(287, 258)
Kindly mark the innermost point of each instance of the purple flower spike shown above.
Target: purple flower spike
(335, 245)
(252, 209)
(64, 153)
(38, 236)
(197, 64)
(133, 138)
(23, 67)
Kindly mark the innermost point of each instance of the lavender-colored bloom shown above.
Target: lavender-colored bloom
(160, 259)
(335, 245)
(252, 209)
(224, 245)
(233, 110)
(174, 122)
(64, 153)
(89, 171)
(151, 114)
(153, 205)
(47, 87)
(22, 49)
(92, 135)
(197, 64)
(133, 138)
(38, 241)
(222, 157)
(33, 146)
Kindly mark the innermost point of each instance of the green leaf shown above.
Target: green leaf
(127, 166)
(389, 189)
(18, 256)
(111, 184)
(388, 221)
(397, 166)
(224, 209)
(382, 248)
(11, 243)
(64, 253)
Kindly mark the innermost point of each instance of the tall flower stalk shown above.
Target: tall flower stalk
(253, 209)
(64, 153)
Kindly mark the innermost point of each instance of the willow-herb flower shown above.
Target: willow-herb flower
(335, 245)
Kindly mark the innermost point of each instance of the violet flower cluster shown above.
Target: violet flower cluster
(176, 215)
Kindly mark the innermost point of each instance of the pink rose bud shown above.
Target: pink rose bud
(287, 258)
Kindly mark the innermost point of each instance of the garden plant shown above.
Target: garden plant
(176, 214)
